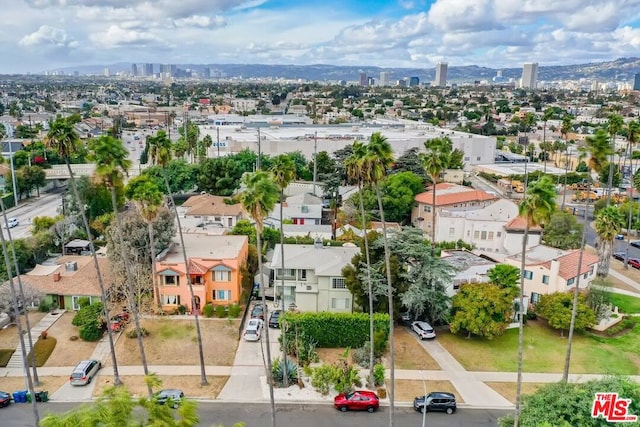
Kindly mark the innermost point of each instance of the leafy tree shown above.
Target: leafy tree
(556, 309)
(326, 164)
(608, 224)
(302, 166)
(410, 162)
(244, 227)
(44, 223)
(603, 176)
(482, 309)
(563, 231)
(219, 176)
(33, 177)
(504, 275)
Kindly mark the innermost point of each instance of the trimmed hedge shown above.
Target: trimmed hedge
(333, 330)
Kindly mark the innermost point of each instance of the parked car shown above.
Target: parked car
(635, 243)
(13, 222)
(357, 400)
(258, 312)
(406, 318)
(436, 401)
(619, 256)
(171, 396)
(424, 330)
(619, 236)
(5, 399)
(84, 372)
(634, 262)
(274, 319)
(253, 331)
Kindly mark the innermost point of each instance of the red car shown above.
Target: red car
(634, 262)
(359, 400)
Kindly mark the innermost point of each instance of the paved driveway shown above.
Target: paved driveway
(70, 393)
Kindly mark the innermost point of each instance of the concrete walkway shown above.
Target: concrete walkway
(44, 324)
(627, 280)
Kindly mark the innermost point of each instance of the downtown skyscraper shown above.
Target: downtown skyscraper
(529, 76)
(441, 74)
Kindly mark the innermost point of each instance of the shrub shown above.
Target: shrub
(361, 355)
(207, 310)
(333, 330)
(234, 311)
(133, 333)
(322, 378)
(626, 323)
(182, 309)
(347, 376)
(88, 313)
(302, 347)
(380, 342)
(378, 375)
(91, 330)
(84, 302)
(221, 311)
(278, 370)
(44, 307)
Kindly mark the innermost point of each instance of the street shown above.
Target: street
(48, 204)
(258, 415)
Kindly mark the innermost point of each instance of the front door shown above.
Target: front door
(61, 302)
(197, 301)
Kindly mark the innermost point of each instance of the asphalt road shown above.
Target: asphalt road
(258, 415)
(48, 204)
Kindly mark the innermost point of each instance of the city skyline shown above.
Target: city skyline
(39, 35)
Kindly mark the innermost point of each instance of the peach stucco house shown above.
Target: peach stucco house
(214, 267)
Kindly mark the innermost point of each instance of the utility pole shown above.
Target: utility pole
(258, 165)
(315, 161)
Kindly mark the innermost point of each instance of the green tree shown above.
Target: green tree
(482, 309)
(259, 198)
(608, 224)
(410, 162)
(63, 138)
(563, 231)
(399, 191)
(538, 204)
(219, 176)
(34, 178)
(556, 309)
(504, 275)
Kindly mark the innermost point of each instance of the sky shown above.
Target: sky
(40, 35)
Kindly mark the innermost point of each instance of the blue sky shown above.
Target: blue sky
(39, 35)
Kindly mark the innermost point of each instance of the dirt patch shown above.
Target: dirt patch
(67, 352)
(329, 356)
(407, 390)
(190, 385)
(174, 342)
(508, 390)
(9, 335)
(50, 384)
(409, 353)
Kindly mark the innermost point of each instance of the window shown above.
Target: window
(171, 280)
(476, 234)
(340, 303)
(302, 274)
(197, 280)
(221, 295)
(478, 158)
(528, 274)
(571, 281)
(426, 209)
(452, 232)
(338, 283)
(74, 302)
(585, 275)
(490, 235)
(221, 276)
(170, 299)
(483, 235)
(498, 234)
(535, 298)
(545, 279)
(289, 274)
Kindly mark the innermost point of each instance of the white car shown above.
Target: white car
(13, 222)
(253, 331)
(424, 330)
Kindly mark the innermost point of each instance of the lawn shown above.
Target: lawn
(9, 335)
(67, 352)
(508, 390)
(625, 303)
(5, 355)
(189, 384)
(174, 342)
(42, 349)
(545, 351)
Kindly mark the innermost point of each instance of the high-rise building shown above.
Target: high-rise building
(384, 78)
(636, 82)
(529, 76)
(364, 79)
(414, 81)
(106, 72)
(134, 70)
(206, 73)
(441, 74)
(148, 69)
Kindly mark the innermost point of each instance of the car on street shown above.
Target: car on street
(436, 401)
(253, 331)
(619, 236)
(635, 243)
(171, 397)
(13, 222)
(258, 312)
(359, 400)
(634, 262)
(274, 319)
(5, 399)
(424, 330)
(84, 372)
(620, 256)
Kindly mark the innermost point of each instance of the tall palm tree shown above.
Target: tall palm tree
(567, 126)
(259, 198)
(633, 134)
(378, 160)
(284, 171)
(434, 161)
(112, 163)
(608, 224)
(63, 138)
(614, 126)
(147, 196)
(548, 113)
(160, 154)
(538, 204)
(354, 169)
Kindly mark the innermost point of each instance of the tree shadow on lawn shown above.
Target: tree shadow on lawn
(545, 351)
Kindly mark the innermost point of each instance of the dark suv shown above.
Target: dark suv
(436, 401)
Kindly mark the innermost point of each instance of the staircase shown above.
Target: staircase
(45, 323)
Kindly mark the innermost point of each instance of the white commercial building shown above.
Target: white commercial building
(441, 74)
(529, 76)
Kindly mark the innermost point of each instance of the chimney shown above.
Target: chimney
(56, 277)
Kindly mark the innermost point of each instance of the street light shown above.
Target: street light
(13, 175)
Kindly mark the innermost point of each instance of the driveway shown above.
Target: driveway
(70, 393)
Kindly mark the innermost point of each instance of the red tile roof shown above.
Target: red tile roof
(519, 223)
(569, 264)
(450, 194)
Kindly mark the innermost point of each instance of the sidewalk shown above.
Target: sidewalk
(626, 280)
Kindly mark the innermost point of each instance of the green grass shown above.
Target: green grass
(43, 349)
(625, 303)
(5, 355)
(545, 351)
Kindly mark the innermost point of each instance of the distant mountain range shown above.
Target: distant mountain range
(622, 69)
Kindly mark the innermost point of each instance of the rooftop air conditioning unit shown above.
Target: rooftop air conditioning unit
(71, 266)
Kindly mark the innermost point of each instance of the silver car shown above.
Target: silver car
(84, 372)
(424, 330)
(253, 331)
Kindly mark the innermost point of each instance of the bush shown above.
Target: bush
(182, 309)
(322, 378)
(278, 370)
(221, 311)
(88, 313)
(626, 323)
(234, 311)
(91, 331)
(42, 350)
(378, 375)
(334, 330)
(84, 302)
(361, 355)
(44, 307)
(207, 310)
(133, 333)
(302, 347)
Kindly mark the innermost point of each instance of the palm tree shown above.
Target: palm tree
(600, 149)
(63, 138)
(148, 197)
(548, 113)
(608, 224)
(112, 163)
(633, 134)
(284, 171)
(434, 161)
(538, 204)
(378, 159)
(160, 154)
(259, 198)
(567, 126)
(354, 169)
(614, 126)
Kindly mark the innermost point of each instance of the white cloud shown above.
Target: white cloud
(47, 35)
(116, 37)
(200, 21)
